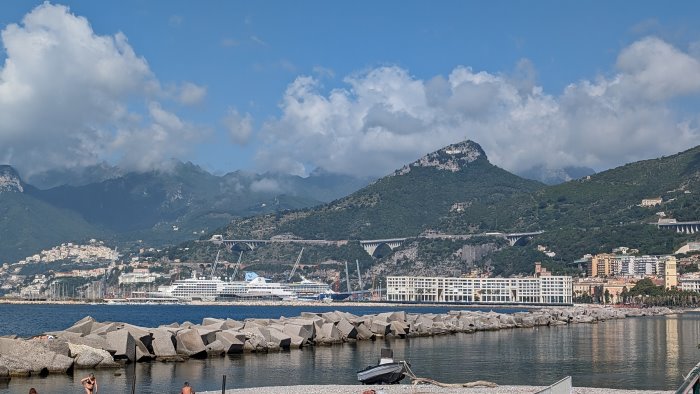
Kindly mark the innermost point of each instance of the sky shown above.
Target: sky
(358, 88)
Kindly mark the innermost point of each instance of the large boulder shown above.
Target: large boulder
(363, 333)
(215, 348)
(328, 335)
(279, 338)
(300, 328)
(141, 335)
(122, 345)
(35, 355)
(82, 326)
(254, 343)
(15, 367)
(210, 320)
(380, 327)
(399, 328)
(189, 343)
(207, 333)
(163, 344)
(92, 340)
(104, 328)
(347, 329)
(86, 357)
(233, 325)
(232, 341)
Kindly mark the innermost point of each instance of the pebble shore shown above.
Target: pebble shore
(410, 389)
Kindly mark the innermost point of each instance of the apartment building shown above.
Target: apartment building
(529, 290)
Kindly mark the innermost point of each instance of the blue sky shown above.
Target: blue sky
(353, 87)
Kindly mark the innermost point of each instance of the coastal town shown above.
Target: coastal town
(95, 272)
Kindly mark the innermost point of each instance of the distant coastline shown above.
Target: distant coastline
(310, 303)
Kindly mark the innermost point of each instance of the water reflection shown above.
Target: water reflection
(635, 353)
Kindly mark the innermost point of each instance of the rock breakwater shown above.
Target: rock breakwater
(89, 344)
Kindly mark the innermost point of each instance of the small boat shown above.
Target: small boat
(387, 371)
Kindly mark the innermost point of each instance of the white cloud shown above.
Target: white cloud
(265, 185)
(191, 94)
(66, 91)
(258, 40)
(386, 117)
(240, 127)
(149, 147)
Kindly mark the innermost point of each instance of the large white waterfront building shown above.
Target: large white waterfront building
(530, 290)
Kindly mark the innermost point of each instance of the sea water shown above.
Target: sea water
(650, 353)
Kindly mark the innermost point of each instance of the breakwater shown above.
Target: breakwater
(90, 344)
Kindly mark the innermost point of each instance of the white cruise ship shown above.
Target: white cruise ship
(212, 289)
(308, 289)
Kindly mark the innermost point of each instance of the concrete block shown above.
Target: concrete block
(215, 348)
(121, 345)
(363, 333)
(35, 355)
(189, 343)
(347, 329)
(163, 343)
(82, 326)
(279, 338)
(398, 328)
(380, 327)
(233, 341)
(328, 335)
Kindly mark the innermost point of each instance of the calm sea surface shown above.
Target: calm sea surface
(635, 353)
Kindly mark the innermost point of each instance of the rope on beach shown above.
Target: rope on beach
(415, 380)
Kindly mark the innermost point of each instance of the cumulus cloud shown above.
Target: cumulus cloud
(191, 94)
(148, 147)
(67, 95)
(385, 117)
(240, 127)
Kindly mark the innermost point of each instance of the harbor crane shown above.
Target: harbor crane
(294, 269)
(238, 264)
(216, 260)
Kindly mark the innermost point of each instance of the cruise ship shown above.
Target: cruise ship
(308, 289)
(212, 289)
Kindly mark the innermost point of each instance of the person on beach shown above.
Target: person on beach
(90, 384)
(186, 389)
(32, 391)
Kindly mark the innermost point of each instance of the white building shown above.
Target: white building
(542, 290)
(690, 282)
(138, 277)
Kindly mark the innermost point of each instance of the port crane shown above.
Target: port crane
(216, 260)
(294, 269)
(238, 264)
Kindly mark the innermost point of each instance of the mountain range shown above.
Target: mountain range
(454, 190)
(156, 207)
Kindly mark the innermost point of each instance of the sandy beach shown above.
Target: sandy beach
(410, 389)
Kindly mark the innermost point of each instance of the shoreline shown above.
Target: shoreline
(339, 303)
(416, 389)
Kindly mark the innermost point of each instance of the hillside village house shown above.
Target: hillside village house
(650, 202)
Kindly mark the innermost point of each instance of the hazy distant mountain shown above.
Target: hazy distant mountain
(556, 176)
(156, 206)
(77, 176)
(27, 224)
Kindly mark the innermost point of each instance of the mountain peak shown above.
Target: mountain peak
(452, 158)
(10, 180)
